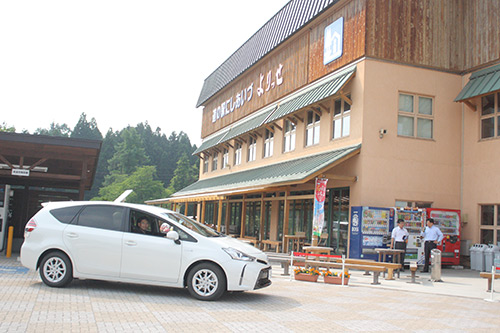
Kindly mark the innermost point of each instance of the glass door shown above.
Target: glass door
(338, 208)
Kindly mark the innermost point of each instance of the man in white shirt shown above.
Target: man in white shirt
(399, 238)
(432, 237)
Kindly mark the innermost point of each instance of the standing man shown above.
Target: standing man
(432, 237)
(399, 238)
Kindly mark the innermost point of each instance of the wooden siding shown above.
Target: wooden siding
(293, 57)
(354, 38)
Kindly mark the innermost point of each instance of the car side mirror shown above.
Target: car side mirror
(173, 235)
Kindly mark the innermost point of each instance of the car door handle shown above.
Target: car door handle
(130, 243)
(72, 235)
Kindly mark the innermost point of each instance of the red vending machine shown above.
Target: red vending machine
(448, 221)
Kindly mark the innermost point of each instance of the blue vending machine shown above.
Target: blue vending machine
(371, 228)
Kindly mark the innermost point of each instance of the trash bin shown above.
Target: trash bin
(477, 257)
(489, 256)
(436, 265)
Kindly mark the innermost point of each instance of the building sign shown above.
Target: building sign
(20, 172)
(272, 80)
(319, 206)
(334, 40)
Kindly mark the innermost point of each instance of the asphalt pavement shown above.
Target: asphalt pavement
(458, 304)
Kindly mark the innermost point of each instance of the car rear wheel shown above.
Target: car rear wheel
(206, 282)
(56, 270)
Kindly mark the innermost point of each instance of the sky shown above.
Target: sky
(121, 62)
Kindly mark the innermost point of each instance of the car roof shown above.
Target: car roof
(62, 204)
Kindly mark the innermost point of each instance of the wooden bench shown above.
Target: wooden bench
(284, 259)
(488, 276)
(330, 264)
(249, 240)
(275, 243)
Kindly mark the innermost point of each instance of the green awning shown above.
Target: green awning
(249, 125)
(212, 142)
(293, 171)
(315, 93)
(483, 82)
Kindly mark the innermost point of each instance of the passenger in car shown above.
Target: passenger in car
(144, 226)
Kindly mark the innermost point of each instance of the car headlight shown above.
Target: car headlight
(238, 255)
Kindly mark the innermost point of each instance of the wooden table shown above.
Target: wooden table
(266, 242)
(295, 242)
(318, 249)
(396, 254)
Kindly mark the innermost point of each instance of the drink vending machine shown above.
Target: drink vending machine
(370, 228)
(414, 222)
(448, 221)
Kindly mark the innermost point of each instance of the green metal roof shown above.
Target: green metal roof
(248, 125)
(481, 83)
(315, 94)
(269, 175)
(212, 142)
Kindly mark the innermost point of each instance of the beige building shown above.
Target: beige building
(396, 103)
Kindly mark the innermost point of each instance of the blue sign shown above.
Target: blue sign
(334, 41)
(13, 270)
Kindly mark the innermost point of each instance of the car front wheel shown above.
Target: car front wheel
(56, 270)
(206, 282)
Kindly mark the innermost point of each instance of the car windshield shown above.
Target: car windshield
(193, 225)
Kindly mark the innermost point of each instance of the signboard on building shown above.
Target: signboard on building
(319, 206)
(20, 172)
(333, 42)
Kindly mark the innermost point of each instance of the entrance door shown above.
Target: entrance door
(338, 202)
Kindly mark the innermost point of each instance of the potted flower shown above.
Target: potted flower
(306, 274)
(335, 278)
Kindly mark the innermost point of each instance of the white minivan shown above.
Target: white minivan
(138, 244)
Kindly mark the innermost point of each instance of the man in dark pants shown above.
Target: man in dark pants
(432, 236)
(399, 238)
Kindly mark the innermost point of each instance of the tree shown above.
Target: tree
(6, 128)
(185, 174)
(141, 182)
(54, 130)
(129, 154)
(86, 130)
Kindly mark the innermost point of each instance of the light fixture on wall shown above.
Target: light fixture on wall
(382, 132)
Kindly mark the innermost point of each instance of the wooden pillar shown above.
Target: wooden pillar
(214, 215)
(175, 207)
(83, 180)
(186, 208)
(262, 211)
(286, 217)
(219, 215)
(226, 222)
(203, 206)
(243, 216)
(198, 212)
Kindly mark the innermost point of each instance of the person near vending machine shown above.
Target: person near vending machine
(432, 237)
(399, 238)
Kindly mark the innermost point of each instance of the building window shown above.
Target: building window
(416, 116)
(413, 204)
(237, 153)
(312, 128)
(289, 136)
(252, 149)
(225, 158)
(490, 116)
(206, 163)
(490, 224)
(214, 161)
(268, 143)
(341, 119)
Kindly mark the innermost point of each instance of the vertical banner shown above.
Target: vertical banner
(319, 206)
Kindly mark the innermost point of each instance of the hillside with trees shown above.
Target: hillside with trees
(138, 158)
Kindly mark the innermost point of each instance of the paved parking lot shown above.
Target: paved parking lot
(26, 305)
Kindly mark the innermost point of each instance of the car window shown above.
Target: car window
(66, 214)
(147, 224)
(102, 217)
(193, 225)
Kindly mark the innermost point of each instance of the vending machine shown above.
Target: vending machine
(414, 222)
(4, 214)
(370, 229)
(448, 221)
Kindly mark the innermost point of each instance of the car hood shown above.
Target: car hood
(241, 246)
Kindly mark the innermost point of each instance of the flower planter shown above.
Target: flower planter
(335, 280)
(306, 277)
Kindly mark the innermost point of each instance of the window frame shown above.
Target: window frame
(290, 134)
(225, 158)
(341, 117)
(268, 143)
(238, 150)
(415, 115)
(495, 115)
(206, 163)
(252, 149)
(215, 161)
(314, 127)
(493, 228)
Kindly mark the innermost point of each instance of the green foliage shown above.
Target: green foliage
(86, 130)
(6, 128)
(54, 130)
(185, 174)
(141, 181)
(130, 153)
